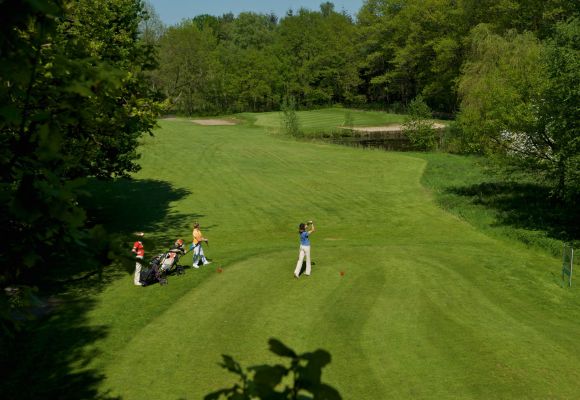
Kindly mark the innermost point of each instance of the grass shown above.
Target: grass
(429, 307)
(328, 119)
(522, 210)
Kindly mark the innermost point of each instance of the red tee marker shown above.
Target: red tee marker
(341, 273)
(219, 270)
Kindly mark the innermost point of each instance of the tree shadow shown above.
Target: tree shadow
(121, 207)
(49, 357)
(124, 206)
(38, 364)
(525, 205)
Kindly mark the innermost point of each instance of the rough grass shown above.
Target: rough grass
(429, 307)
(522, 210)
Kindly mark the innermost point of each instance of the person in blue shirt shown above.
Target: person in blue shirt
(304, 230)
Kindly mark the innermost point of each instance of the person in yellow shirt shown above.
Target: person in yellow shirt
(197, 249)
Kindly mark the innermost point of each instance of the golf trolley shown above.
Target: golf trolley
(163, 265)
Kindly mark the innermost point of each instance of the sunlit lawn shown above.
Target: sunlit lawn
(428, 306)
(330, 118)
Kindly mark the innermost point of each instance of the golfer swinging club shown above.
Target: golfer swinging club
(304, 230)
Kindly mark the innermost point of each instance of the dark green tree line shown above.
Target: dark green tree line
(394, 51)
(412, 47)
(319, 57)
(251, 62)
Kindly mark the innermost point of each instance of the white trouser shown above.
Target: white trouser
(198, 255)
(137, 279)
(304, 250)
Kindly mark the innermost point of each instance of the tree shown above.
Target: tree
(190, 69)
(74, 102)
(252, 78)
(327, 8)
(253, 31)
(151, 26)
(500, 90)
(290, 121)
(250, 65)
(418, 125)
(319, 57)
(411, 47)
(519, 102)
(559, 110)
(102, 42)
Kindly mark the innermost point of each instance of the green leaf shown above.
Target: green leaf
(10, 114)
(80, 89)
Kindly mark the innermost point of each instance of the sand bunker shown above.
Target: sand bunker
(387, 128)
(213, 122)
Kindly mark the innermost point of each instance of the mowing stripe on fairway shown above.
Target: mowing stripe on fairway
(427, 307)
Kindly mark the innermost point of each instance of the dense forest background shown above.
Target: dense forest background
(82, 81)
(386, 55)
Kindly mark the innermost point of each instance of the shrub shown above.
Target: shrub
(418, 125)
(290, 122)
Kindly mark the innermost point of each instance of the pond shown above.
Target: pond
(391, 144)
(386, 140)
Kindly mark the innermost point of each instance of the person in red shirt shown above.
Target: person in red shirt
(139, 251)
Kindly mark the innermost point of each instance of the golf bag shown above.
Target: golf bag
(169, 263)
(152, 274)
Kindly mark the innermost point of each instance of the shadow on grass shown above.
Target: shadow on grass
(526, 206)
(49, 357)
(126, 205)
(38, 365)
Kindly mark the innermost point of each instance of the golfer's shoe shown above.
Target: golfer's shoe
(296, 276)
(195, 266)
(207, 263)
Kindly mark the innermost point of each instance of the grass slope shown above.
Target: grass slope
(519, 209)
(428, 307)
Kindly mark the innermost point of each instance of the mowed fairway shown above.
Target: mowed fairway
(428, 308)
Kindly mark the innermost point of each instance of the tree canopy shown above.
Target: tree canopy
(390, 53)
(74, 101)
(520, 101)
